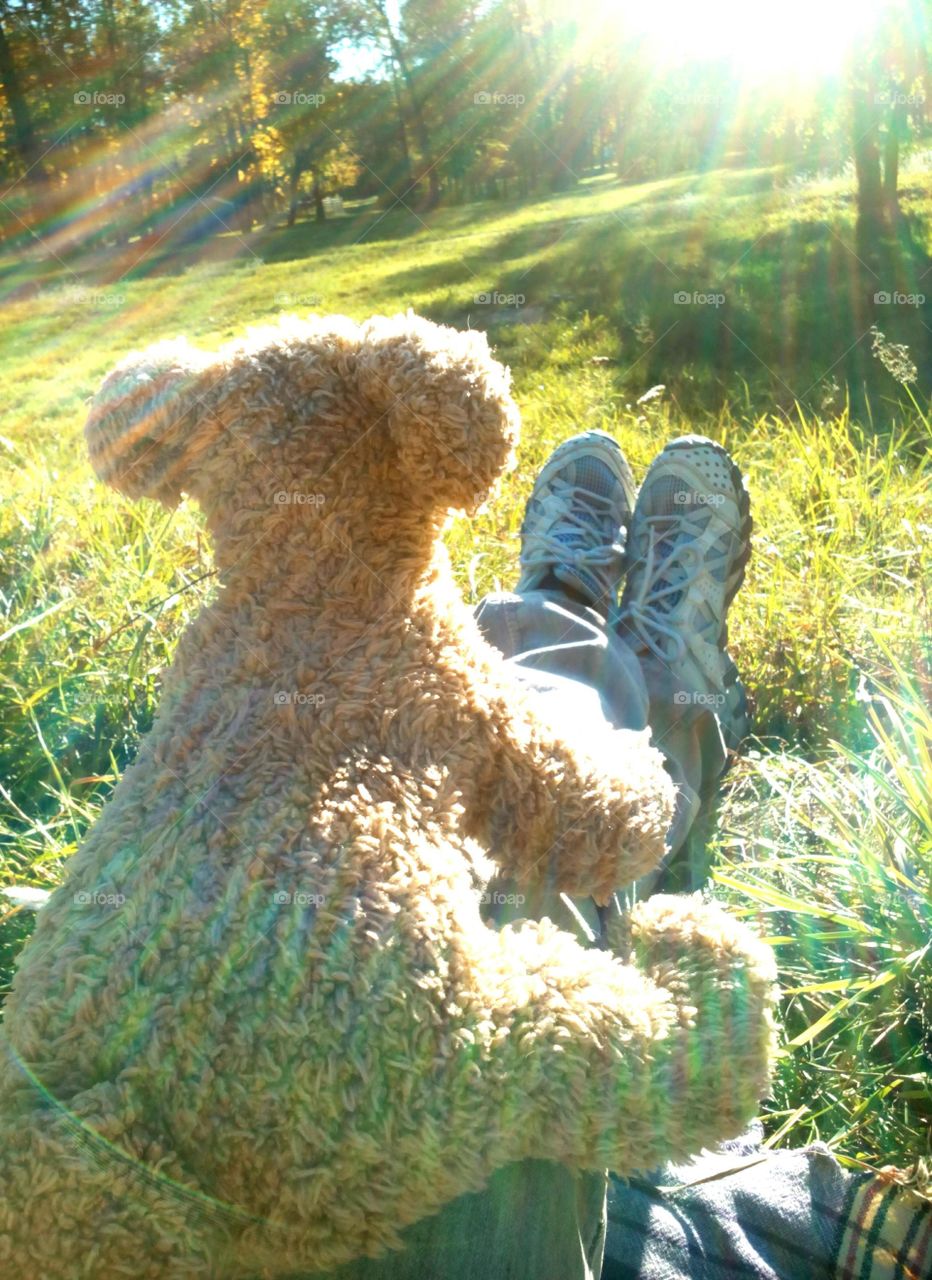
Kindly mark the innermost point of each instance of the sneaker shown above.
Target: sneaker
(689, 545)
(575, 525)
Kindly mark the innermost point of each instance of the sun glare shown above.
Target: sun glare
(797, 39)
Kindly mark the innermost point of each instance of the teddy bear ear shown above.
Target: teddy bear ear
(447, 404)
(145, 425)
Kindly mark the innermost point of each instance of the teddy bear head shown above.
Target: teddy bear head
(394, 418)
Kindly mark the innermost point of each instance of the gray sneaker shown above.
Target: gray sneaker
(689, 544)
(575, 525)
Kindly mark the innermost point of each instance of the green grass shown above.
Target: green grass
(823, 835)
(836, 857)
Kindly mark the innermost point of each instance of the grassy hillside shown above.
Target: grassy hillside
(823, 834)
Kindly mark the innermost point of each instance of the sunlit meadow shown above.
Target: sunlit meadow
(655, 248)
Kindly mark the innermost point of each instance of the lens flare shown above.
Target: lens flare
(796, 38)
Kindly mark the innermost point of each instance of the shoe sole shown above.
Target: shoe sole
(735, 692)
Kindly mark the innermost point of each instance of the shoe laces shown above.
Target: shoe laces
(578, 513)
(672, 562)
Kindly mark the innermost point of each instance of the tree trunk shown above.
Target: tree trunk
(320, 213)
(24, 139)
(866, 146)
(110, 27)
(896, 132)
(417, 114)
(891, 168)
(297, 168)
(407, 176)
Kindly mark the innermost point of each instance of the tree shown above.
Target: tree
(23, 138)
(887, 82)
(399, 60)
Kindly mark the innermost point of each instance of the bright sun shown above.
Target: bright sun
(799, 39)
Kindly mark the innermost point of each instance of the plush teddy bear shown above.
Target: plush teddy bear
(261, 1026)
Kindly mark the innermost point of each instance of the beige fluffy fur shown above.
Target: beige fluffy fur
(261, 1027)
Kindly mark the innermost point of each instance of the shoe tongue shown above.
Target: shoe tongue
(666, 500)
(592, 477)
(595, 479)
(592, 474)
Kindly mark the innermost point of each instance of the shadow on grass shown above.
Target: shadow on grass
(696, 296)
(790, 312)
(154, 255)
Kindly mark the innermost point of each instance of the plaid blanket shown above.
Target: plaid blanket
(748, 1214)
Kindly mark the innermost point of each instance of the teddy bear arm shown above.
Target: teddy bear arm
(722, 982)
(613, 1065)
(550, 813)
